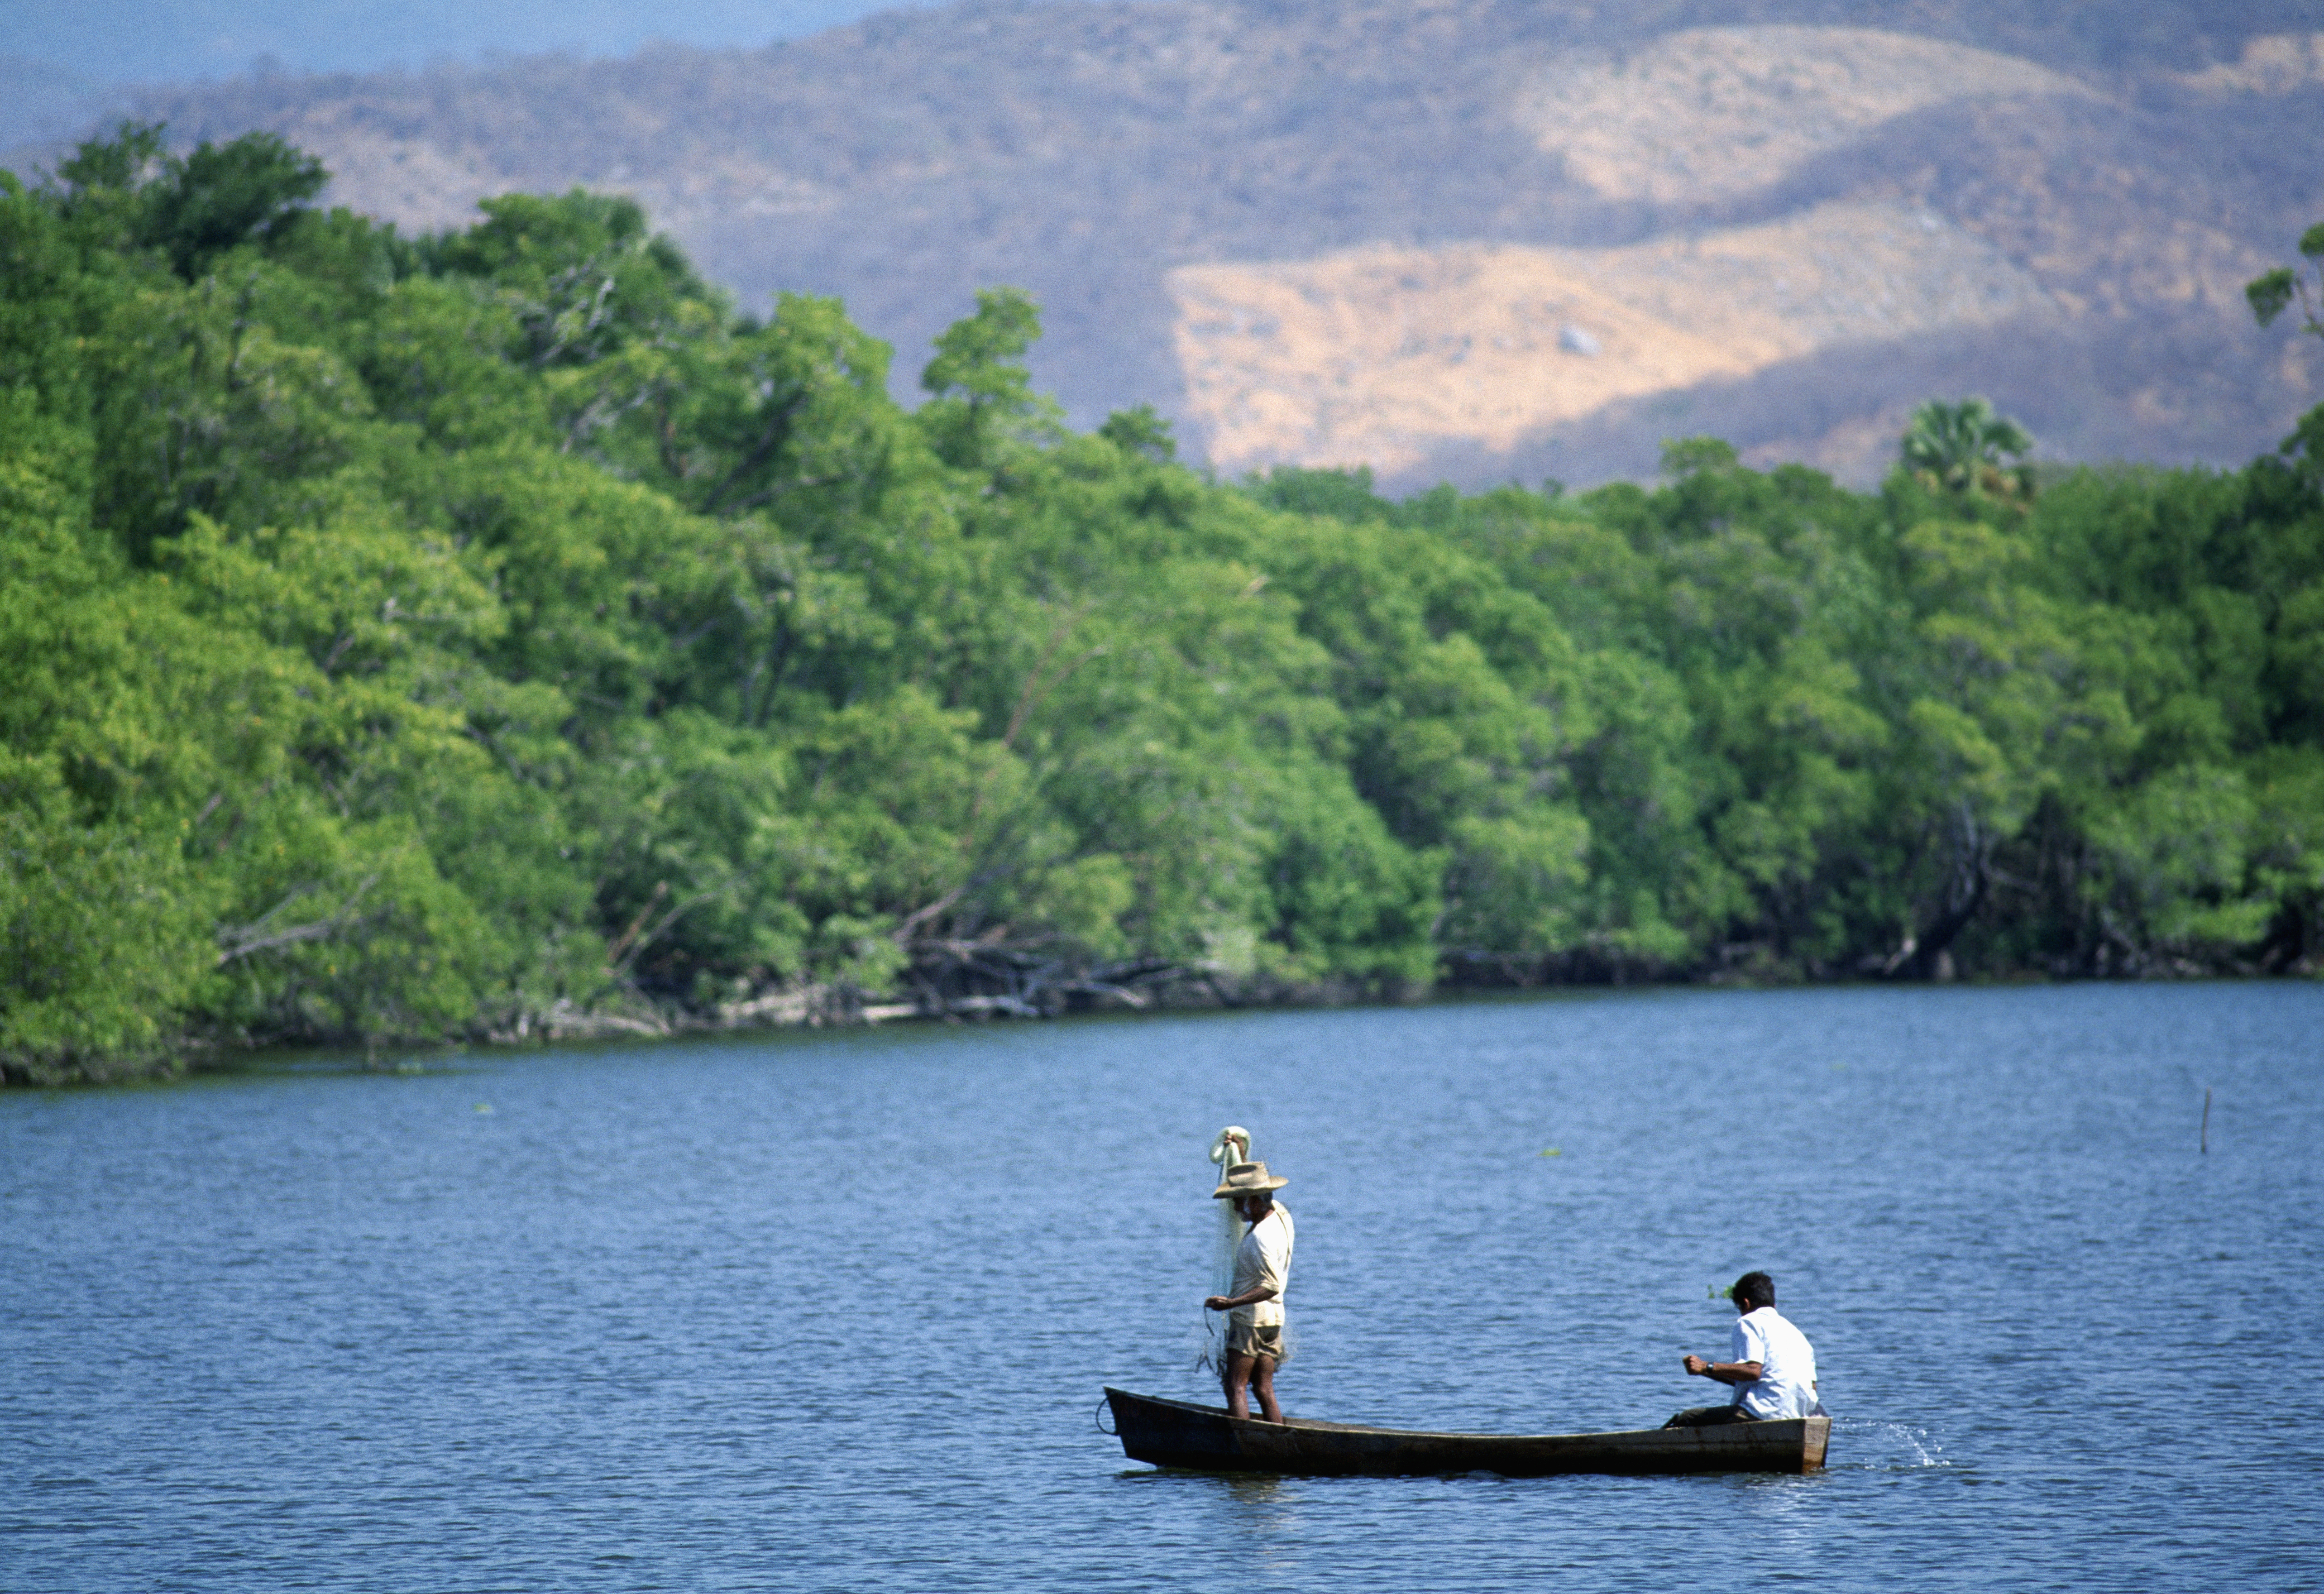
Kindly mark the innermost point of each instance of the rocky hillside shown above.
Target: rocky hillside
(1474, 238)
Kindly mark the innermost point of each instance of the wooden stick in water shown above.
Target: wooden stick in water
(2206, 1120)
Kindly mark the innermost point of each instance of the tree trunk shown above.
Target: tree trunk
(1972, 877)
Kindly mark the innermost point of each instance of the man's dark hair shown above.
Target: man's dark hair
(1755, 1287)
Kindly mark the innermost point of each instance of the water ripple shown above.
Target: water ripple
(832, 1312)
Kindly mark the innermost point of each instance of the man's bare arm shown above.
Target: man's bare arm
(1724, 1372)
(1250, 1297)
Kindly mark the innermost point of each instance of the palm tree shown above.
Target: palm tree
(1962, 446)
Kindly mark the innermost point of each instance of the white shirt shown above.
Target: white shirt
(1785, 1386)
(1263, 1257)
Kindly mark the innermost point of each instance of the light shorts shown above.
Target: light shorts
(1264, 1338)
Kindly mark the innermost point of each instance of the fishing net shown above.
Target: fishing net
(1229, 1146)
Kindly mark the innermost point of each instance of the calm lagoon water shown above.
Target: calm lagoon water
(832, 1312)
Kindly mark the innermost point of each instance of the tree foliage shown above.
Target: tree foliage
(1964, 446)
(496, 633)
(2272, 292)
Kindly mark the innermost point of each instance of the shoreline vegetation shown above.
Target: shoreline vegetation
(496, 635)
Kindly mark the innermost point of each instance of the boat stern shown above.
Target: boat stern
(1817, 1437)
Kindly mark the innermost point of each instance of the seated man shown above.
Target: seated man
(1770, 1363)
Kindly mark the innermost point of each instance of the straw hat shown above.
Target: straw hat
(1247, 1178)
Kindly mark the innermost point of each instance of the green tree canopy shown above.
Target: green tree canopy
(496, 632)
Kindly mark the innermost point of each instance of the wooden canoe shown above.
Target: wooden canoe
(1179, 1433)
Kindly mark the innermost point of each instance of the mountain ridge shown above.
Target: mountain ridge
(2145, 162)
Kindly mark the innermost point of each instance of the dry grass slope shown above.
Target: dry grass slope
(1384, 357)
(1696, 116)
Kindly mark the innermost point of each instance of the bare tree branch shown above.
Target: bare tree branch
(240, 941)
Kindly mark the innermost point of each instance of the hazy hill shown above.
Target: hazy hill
(1472, 237)
(122, 42)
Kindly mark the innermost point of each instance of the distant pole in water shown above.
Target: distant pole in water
(2206, 1120)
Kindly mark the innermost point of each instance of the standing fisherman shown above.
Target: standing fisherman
(1254, 1308)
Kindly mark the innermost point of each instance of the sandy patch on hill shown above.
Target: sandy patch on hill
(1709, 112)
(1382, 356)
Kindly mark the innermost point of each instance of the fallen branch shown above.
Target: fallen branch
(636, 943)
(238, 941)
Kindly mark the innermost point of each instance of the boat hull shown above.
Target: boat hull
(1180, 1433)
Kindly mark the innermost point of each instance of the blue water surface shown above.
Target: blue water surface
(832, 1311)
